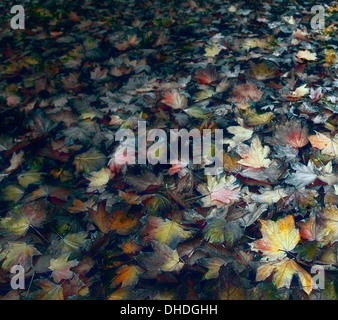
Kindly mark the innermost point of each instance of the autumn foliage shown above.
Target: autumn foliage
(85, 226)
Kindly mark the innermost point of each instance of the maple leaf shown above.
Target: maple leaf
(279, 238)
(299, 198)
(30, 177)
(15, 161)
(255, 155)
(119, 294)
(15, 224)
(101, 218)
(283, 273)
(206, 76)
(175, 100)
(165, 231)
(219, 191)
(269, 175)
(80, 206)
(240, 134)
(35, 213)
(100, 178)
(300, 92)
(163, 258)
(68, 186)
(122, 223)
(323, 142)
(172, 262)
(212, 51)
(130, 247)
(76, 286)
(98, 74)
(132, 198)
(13, 193)
(127, 275)
(263, 71)
(146, 182)
(303, 176)
(61, 267)
(291, 133)
(74, 241)
(89, 161)
(306, 55)
(117, 221)
(254, 119)
(219, 230)
(269, 196)
(50, 291)
(213, 265)
(246, 92)
(18, 252)
(308, 229)
(327, 231)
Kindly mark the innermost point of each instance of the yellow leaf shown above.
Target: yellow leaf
(15, 224)
(254, 42)
(278, 238)
(325, 143)
(13, 193)
(61, 267)
(327, 232)
(255, 119)
(100, 178)
(269, 196)
(172, 263)
(18, 253)
(213, 265)
(30, 177)
(164, 295)
(119, 294)
(283, 273)
(169, 230)
(15, 161)
(30, 61)
(165, 231)
(299, 92)
(74, 241)
(240, 134)
(255, 155)
(204, 94)
(306, 55)
(212, 51)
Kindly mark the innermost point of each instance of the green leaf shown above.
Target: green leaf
(89, 161)
(219, 230)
